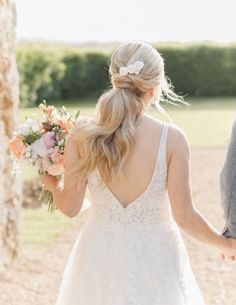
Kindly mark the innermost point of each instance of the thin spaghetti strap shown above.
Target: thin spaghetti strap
(163, 143)
(164, 134)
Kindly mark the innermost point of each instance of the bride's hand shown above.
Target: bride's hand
(230, 249)
(49, 182)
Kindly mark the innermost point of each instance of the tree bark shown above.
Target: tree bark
(10, 184)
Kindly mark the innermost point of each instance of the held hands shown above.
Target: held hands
(230, 249)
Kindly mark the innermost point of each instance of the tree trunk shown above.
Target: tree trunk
(10, 186)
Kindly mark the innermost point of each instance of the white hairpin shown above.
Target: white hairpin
(132, 69)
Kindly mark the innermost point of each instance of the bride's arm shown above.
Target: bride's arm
(179, 190)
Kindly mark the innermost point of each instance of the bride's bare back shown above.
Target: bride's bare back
(140, 166)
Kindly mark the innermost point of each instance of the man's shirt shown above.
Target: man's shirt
(228, 187)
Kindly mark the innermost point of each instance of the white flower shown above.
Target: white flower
(55, 116)
(29, 125)
(28, 152)
(139, 64)
(123, 70)
(39, 148)
(135, 68)
(60, 142)
(131, 69)
(44, 117)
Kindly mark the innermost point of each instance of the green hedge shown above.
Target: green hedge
(57, 73)
(41, 74)
(202, 70)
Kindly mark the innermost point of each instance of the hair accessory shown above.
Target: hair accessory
(132, 69)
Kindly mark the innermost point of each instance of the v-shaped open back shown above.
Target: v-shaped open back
(160, 157)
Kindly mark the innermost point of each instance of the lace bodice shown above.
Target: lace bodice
(150, 207)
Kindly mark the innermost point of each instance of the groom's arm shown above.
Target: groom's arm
(228, 187)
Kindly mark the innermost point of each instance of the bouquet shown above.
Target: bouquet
(41, 143)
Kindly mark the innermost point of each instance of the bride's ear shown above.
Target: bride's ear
(155, 91)
(152, 92)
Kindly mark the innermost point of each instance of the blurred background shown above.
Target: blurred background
(62, 49)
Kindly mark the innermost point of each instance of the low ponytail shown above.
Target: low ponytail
(109, 138)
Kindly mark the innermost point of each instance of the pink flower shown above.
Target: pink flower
(39, 163)
(56, 169)
(53, 169)
(56, 157)
(49, 139)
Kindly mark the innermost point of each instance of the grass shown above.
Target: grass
(41, 228)
(207, 123)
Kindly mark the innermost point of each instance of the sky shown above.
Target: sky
(77, 21)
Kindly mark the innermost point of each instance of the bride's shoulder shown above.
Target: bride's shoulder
(81, 121)
(153, 122)
(174, 130)
(177, 140)
(79, 124)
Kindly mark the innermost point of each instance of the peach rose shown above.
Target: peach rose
(17, 147)
(49, 109)
(61, 124)
(66, 125)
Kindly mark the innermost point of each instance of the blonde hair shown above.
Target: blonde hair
(108, 140)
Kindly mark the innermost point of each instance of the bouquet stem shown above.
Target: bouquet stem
(46, 197)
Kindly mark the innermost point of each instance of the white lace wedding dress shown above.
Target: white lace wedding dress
(133, 255)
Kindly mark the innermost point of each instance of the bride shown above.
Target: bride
(130, 250)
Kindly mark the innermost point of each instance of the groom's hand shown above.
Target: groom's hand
(226, 233)
(224, 255)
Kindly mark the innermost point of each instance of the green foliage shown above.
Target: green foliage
(95, 73)
(32, 137)
(85, 74)
(57, 73)
(40, 75)
(72, 84)
(202, 70)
